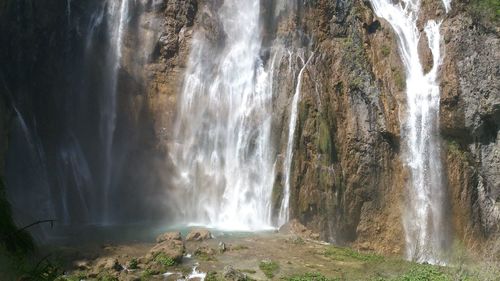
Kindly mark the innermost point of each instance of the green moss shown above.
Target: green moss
(386, 51)
(399, 79)
(356, 83)
(269, 267)
(324, 138)
(309, 277)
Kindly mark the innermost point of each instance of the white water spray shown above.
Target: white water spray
(284, 212)
(223, 148)
(424, 217)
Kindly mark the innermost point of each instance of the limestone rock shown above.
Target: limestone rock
(295, 227)
(109, 264)
(199, 235)
(232, 274)
(168, 236)
(173, 249)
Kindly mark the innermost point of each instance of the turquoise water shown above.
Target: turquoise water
(131, 233)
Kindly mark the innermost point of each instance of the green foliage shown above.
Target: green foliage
(146, 275)
(424, 273)
(164, 260)
(45, 269)
(269, 267)
(212, 276)
(344, 254)
(486, 10)
(11, 238)
(133, 264)
(313, 276)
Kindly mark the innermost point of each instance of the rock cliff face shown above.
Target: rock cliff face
(348, 179)
(347, 176)
(470, 119)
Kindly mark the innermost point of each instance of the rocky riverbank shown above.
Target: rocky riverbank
(293, 253)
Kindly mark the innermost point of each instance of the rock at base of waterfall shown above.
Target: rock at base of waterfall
(109, 264)
(168, 236)
(173, 249)
(199, 235)
(295, 227)
(234, 275)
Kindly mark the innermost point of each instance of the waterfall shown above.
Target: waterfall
(283, 215)
(68, 9)
(223, 151)
(423, 219)
(118, 12)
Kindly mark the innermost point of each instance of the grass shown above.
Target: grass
(238, 248)
(313, 276)
(424, 273)
(345, 254)
(269, 267)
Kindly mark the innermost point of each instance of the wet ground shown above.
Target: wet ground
(240, 256)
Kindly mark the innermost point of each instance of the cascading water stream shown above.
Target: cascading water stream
(284, 212)
(223, 148)
(118, 11)
(424, 216)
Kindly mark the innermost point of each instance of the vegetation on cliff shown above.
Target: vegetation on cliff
(486, 10)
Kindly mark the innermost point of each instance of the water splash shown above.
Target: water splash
(424, 217)
(284, 212)
(223, 149)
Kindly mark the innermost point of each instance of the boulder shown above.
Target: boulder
(199, 235)
(173, 249)
(232, 274)
(169, 236)
(295, 227)
(109, 264)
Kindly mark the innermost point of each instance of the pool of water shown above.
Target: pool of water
(130, 233)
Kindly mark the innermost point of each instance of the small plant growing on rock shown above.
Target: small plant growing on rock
(212, 276)
(164, 260)
(133, 264)
(269, 267)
